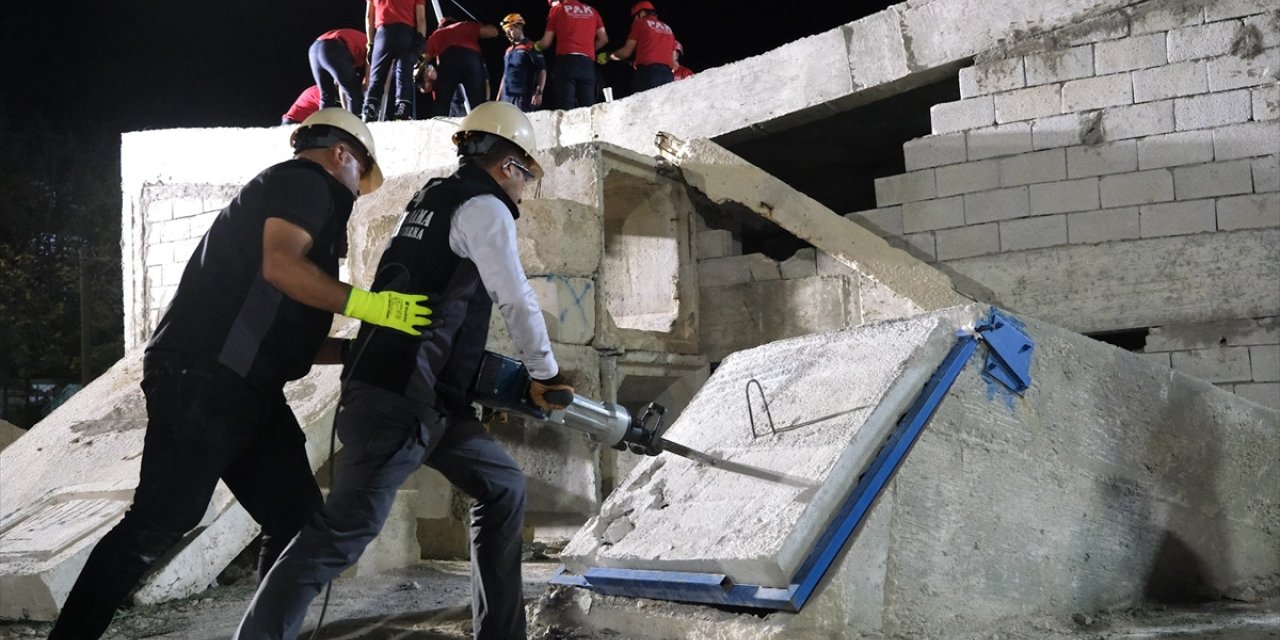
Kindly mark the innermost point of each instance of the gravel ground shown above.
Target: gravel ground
(430, 602)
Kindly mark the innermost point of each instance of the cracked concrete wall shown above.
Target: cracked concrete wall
(1118, 173)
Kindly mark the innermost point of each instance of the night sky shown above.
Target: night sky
(127, 65)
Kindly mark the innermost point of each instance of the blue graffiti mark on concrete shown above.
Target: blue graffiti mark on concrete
(995, 387)
(579, 295)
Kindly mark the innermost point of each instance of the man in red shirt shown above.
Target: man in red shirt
(308, 102)
(397, 29)
(455, 47)
(681, 72)
(577, 32)
(653, 44)
(338, 56)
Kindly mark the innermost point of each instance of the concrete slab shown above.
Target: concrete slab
(833, 398)
(1110, 482)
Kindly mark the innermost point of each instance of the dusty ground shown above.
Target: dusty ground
(430, 602)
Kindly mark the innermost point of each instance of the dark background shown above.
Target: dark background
(128, 65)
(76, 75)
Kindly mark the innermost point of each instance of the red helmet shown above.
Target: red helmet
(643, 5)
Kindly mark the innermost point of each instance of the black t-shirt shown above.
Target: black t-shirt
(225, 311)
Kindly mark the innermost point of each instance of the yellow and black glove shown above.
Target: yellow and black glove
(552, 393)
(399, 311)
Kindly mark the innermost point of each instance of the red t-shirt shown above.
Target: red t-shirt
(396, 12)
(575, 26)
(682, 72)
(355, 41)
(655, 43)
(308, 102)
(465, 34)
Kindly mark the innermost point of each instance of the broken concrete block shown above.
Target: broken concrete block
(802, 264)
(718, 272)
(717, 243)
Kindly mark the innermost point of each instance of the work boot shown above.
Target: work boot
(402, 111)
(371, 110)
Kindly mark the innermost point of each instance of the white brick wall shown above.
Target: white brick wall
(1228, 364)
(886, 221)
(1223, 9)
(993, 76)
(1163, 16)
(1266, 102)
(1057, 131)
(1265, 363)
(717, 243)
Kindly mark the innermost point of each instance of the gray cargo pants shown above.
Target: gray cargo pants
(386, 437)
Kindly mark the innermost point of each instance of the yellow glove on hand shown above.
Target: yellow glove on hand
(602, 58)
(399, 311)
(551, 394)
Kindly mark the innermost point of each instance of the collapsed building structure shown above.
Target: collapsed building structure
(1098, 166)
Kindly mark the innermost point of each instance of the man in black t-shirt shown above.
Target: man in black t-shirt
(252, 312)
(406, 402)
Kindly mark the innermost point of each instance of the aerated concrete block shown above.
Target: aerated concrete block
(1137, 188)
(1202, 41)
(569, 306)
(1037, 166)
(1033, 233)
(553, 239)
(1212, 110)
(1064, 196)
(804, 264)
(717, 243)
(968, 177)
(1246, 140)
(1032, 102)
(1266, 102)
(1176, 218)
(933, 214)
(1107, 225)
(1106, 158)
(998, 204)
(934, 151)
(1231, 72)
(1226, 364)
(718, 272)
(905, 187)
(1000, 140)
(965, 242)
(1264, 362)
(1170, 81)
(1249, 212)
(1060, 65)
(1128, 54)
(1134, 121)
(1173, 149)
(1266, 173)
(1213, 179)
(965, 114)
(1094, 93)
(746, 315)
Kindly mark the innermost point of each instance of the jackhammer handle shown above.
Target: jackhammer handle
(559, 397)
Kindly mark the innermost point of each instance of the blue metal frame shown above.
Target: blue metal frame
(715, 588)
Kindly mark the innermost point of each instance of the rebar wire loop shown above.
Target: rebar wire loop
(751, 412)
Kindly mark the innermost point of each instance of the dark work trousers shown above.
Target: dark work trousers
(573, 81)
(395, 49)
(385, 438)
(648, 76)
(331, 63)
(204, 423)
(464, 68)
(523, 103)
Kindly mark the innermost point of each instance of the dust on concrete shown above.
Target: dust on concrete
(430, 601)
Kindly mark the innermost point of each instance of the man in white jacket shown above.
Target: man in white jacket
(405, 399)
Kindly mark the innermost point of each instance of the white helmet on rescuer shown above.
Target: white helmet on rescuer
(502, 120)
(355, 130)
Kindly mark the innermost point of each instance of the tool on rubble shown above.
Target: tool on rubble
(503, 383)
